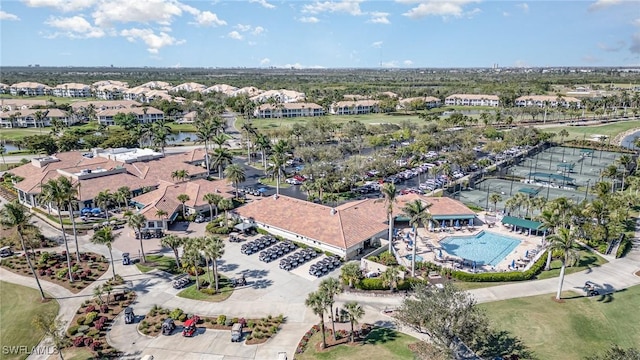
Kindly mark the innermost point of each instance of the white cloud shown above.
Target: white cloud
(379, 17)
(207, 18)
(636, 22)
(351, 7)
(472, 13)
(153, 41)
(635, 43)
(389, 64)
(618, 45)
(265, 61)
(505, 14)
(235, 35)
(243, 28)
(309, 19)
(124, 11)
(62, 5)
(524, 7)
(75, 27)
(377, 44)
(264, 3)
(8, 17)
(601, 4)
(407, 63)
(257, 30)
(521, 64)
(438, 8)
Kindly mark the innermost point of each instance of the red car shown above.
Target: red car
(299, 178)
(190, 326)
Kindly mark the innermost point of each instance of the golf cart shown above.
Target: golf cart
(129, 316)
(168, 325)
(236, 332)
(591, 289)
(6, 251)
(190, 326)
(126, 260)
(239, 282)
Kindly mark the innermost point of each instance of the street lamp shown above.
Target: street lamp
(586, 191)
(511, 187)
(487, 206)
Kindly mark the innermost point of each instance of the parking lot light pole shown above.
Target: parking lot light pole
(511, 187)
(487, 206)
(586, 191)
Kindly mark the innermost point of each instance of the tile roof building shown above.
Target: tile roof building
(72, 90)
(547, 100)
(354, 107)
(29, 89)
(472, 100)
(343, 230)
(288, 110)
(26, 118)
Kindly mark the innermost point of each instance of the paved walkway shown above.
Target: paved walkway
(155, 288)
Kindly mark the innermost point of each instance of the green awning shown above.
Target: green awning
(453, 217)
(550, 176)
(529, 191)
(565, 166)
(523, 223)
(586, 151)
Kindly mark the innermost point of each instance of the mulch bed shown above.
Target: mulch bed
(52, 267)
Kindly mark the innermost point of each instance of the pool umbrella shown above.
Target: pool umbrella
(513, 263)
(440, 253)
(526, 254)
(444, 226)
(474, 264)
(262, 190)
(471, 222)
(457, 223)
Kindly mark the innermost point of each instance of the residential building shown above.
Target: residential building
(109, 91)
(72, 90)
(221, 88)
(280, 96)
(288, 110)
(189, 87)
(355, 107)
(4, 88)
(103, 105)
(144, 115)
(472, 100)
(424, 102)
(26, 118)
(389, 94)
(344, 230)
(547, 101)
(21, 104)
(159, 85)
(187, 118)
(250, 91)
(29, 89)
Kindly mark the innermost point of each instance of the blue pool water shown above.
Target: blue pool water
(485, 248)
(418, 257)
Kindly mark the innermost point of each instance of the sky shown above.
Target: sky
(320, 34)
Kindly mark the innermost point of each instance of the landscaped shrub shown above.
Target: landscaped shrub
(175, 313)
(208, 291)
(182, 317)
(87, 341)
(80, 320)
(73, 330)
(503, 276)
(95, 346)
(371, 284)
(93, 332)
(104, 308)
(251, 324)
(78, 342)
(221, 319)
(91, 317)
(228, 322)
(89, 309)
(62, 273)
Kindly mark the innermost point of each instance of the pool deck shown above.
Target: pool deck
(429, 244)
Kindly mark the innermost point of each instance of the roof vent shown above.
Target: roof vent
(333, 211)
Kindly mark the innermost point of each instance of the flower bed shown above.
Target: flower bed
(90, 324)
(342, 337)
(257, 331)
(52, 267)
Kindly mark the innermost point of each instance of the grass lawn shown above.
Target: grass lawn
(270, 182)
(224, 290)
(19, 305)
(469, 285)
(181, 127)
(18, 133)
(577, 328)
(159, 262)
(578, 132)
(381, 344)
(369, 119)
(588, 259)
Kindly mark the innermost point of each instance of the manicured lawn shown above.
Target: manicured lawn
(270, 182)
(18, 133)
(182, 127)
(467, 285)
(381, 344)
(224, 290)
(577, 328)
(588, 259)
(369, 119)
(160, 262)
(19, 305)
(578, 132)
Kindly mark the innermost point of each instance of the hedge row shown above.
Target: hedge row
(503, 276)
(377, 284)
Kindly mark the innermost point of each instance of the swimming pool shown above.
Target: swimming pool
(485, 248)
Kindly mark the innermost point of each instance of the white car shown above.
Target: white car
(293, 181)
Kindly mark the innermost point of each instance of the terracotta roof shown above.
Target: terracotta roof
(425, 99)
(349, 224)
(550, 98)
(29, 85)
(473, 97)
(161, 169)
(300, 105)
(19, 103)
(135, 110)
(106, 104)
(194, 155)
(166, 197)
(90, 188)
(357, 103)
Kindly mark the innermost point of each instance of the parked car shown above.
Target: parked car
(199, 219)
(126, 260)
(129, 316)
(236, 332)
(190, 326)
(6, 251)
(168, 325)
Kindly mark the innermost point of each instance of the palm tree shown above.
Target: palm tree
(106, 237)
(331, 287)
(317, 302)
(351, 273)
(162, 215)
(626, 161)
(225, 205)
(122, 196)
(276, 168)
(213, 250)
(564, 242)
(180, 175)
(103, 200)
(235, 174)
(173, 242)
(390, 277)
(56, 193)
(418, 214)
(14, 216)
(137, 221)
(250, 131)
(191, 258)
(72, 191)
(495, 199)
(264, 144)
(205, 129)
(183, 198)
(161, 132)
(355, 312)
(212, 200)
(390, 194)
(221, 158)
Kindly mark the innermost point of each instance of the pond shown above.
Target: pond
(182, 136)
(9, 147)
(628, 140)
